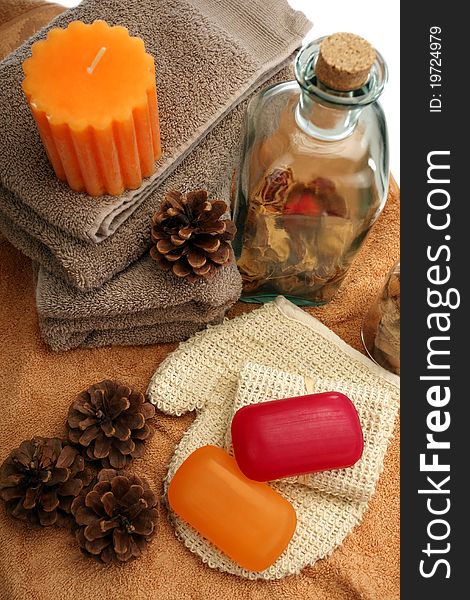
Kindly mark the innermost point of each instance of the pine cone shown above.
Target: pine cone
(109, 419)
(116, 518)
(40, 479)
(191, 239)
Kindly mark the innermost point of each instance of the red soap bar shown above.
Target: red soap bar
(294, 436)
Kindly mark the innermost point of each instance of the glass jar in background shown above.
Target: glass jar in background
(381, 325)
(313, 179)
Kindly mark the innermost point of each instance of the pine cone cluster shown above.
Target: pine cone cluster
(45, 480)
(109, 420)
(191, 238)
(40, 479)
(116, 518)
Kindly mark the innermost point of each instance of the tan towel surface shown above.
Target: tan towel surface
(209, 56)
(20, 19)
(37, 386)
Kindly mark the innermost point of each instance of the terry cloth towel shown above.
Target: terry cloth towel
(228, 50)
(203, 375)
(142, 305)
(375, 407)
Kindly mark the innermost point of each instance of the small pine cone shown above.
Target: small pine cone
(40, 479)
(191, 238)
(109, 420)
(117, 518)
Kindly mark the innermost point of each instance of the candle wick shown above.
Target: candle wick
(96, 60)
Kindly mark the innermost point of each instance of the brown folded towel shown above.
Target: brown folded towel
(142, 305)
(209, 56)
(86, 265)
(70, 317)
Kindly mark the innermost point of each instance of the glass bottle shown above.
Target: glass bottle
(381, 325)
(313, 179)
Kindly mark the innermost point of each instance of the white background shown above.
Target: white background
(379, 23)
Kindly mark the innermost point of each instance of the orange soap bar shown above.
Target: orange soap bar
(92, 92)
(247, 520)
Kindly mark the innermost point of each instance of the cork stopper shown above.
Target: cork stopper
(344, 61)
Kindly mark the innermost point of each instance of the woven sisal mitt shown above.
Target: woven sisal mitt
(203, 374)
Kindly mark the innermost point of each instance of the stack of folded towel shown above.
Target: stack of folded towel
(96, 283)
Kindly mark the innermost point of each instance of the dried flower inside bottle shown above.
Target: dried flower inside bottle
(295, 234)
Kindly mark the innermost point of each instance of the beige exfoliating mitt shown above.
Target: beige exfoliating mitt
(206, 373)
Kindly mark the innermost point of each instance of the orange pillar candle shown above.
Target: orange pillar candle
(247, 520)
(92, 92)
